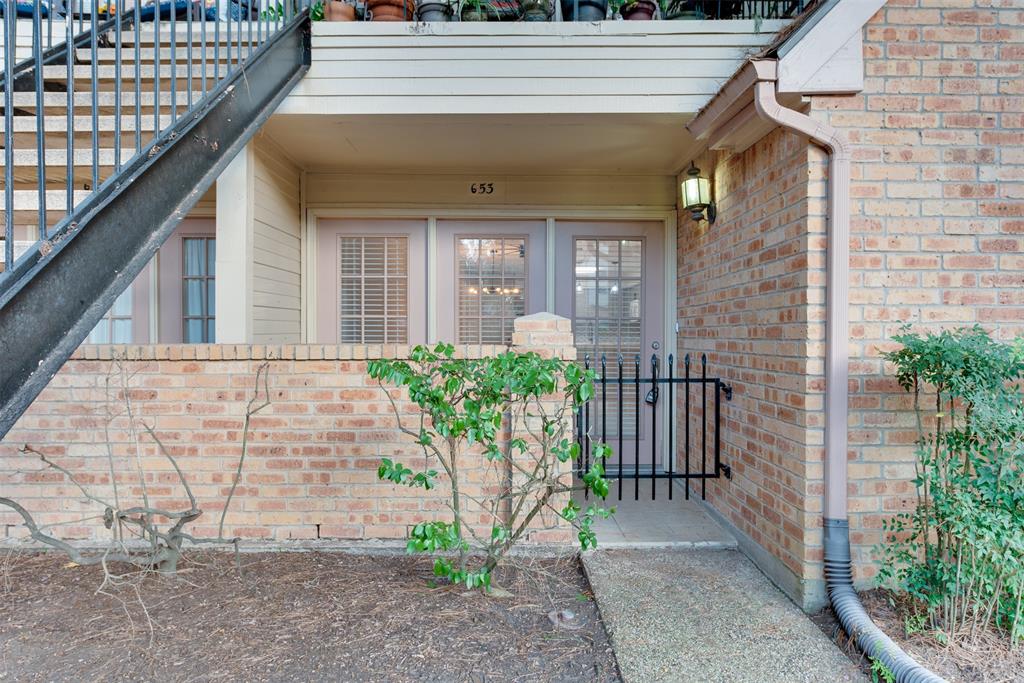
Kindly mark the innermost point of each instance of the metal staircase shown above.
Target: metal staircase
(108, 144)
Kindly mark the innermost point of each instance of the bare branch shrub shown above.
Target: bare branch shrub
(143, 536)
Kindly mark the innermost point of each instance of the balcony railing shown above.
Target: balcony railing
(53, 12)
(555, 10)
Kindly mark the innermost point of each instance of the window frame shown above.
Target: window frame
(362, 278)
(451, 229)
(527, 289)
(328, 272)
(170, 269)
(208, 279)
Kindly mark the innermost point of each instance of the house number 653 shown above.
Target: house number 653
(482, 188)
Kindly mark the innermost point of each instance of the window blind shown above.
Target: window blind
(373, 290)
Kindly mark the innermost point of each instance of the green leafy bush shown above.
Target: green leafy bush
(960, 552)
(510, 415)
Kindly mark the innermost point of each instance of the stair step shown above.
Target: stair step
(25, 170)
(127, 74)
(83, 124)
(82, 157)
(147, 55)
(104, 100)
(28, 201)
(148, 36)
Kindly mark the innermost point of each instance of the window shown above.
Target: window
(116, 326)
(198, 309)
(608, 281)
(373, 289)
(491, 288)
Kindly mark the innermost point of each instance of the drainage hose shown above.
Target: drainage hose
(850, 612)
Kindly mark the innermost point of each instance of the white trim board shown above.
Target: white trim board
(829, 58)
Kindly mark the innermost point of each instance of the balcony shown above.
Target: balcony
(622, 67)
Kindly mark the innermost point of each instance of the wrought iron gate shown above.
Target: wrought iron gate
(614, 417)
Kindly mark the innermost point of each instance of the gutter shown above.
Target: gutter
(838, 564)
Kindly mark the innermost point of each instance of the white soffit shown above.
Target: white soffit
(829, 57)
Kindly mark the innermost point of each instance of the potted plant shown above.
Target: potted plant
(589, 10)
(338, 10)
(391, 10)
(435, 10)
(683, 9)
(476, 10)
(536, 10)
(636, 10)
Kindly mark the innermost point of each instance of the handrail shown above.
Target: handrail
(52, 53)
(53, 296)
(207, 48)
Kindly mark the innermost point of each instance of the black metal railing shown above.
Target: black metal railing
(624, 415)
(581, 10)
(180, 95)
(76, 111)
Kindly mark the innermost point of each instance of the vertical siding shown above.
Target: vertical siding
(276, 246)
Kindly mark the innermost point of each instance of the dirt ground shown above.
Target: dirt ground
(988, 661)
(298, 617)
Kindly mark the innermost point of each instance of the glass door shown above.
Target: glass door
(614, 294)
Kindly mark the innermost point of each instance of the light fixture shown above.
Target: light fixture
(697, 195)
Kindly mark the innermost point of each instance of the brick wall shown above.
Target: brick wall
(749, 295)
(312, 458)
(937, 241)
(937, 213)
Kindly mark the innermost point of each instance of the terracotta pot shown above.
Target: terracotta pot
(335, 10)
(397, 10)
(639, 10)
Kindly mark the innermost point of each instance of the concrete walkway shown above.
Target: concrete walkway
(708, 616)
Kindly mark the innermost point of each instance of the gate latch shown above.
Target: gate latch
(652, 397)
(727, 390)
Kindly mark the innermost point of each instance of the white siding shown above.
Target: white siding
(276, 246)
(564, 67)
(453, 191)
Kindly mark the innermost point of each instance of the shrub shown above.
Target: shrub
(510, 414)
(960, 552)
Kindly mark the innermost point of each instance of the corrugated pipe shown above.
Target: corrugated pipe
(838, 565)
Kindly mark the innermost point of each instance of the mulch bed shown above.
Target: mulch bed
(989, 660)
(298, 616)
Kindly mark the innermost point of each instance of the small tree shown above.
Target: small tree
(513, 414)
(960, 552)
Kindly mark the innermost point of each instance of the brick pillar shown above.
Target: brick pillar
(547, 334)
(550, 336)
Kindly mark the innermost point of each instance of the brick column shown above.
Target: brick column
(550, 336)
(547, 334)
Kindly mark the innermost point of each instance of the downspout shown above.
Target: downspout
(838, 564)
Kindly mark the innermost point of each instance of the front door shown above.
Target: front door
(610, 281)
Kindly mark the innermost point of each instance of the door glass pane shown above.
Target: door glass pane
(607, 319)
(491, 288)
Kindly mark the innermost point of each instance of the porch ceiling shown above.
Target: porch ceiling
(514, 144)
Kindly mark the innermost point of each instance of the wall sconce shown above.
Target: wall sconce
(697, 195)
